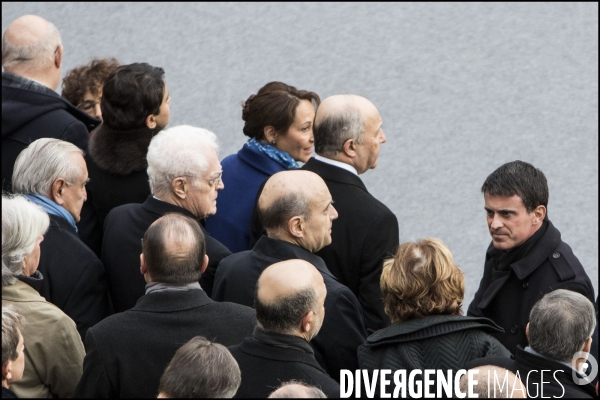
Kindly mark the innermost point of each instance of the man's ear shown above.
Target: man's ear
(527, 331)
(270, 134)
(204, 264)
(539, 214)
(143, 265)
(179, 187)
(56, 191)
(349, 148)
(307, 321)
(58, 56)
(587, 345)
(7, 370)
(296, 226)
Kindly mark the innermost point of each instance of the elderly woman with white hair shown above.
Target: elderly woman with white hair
(54, 352)
(185, 178)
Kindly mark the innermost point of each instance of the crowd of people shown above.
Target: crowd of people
(264, 275)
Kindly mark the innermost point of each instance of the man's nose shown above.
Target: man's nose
(98, 111)
(496, 222)
(383, 138)
(334, 213)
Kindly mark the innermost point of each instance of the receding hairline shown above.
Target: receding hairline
(340, 103)
(27, 30)
(303, 183)
(288, 278)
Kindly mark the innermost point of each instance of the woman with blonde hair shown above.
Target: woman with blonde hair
(423, 290)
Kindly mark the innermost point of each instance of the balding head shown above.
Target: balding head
(296, 206)
(173, 250)
(297, 390)
(289, 299)
(494, 382)
(348, 129)
(31, 47)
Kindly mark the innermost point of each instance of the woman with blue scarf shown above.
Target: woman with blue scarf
(279, 121)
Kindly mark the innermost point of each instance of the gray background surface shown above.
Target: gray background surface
(462, 88)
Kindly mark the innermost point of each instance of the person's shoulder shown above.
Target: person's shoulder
(234, 309)
(59, 237)
(236, 260)
(122, 213)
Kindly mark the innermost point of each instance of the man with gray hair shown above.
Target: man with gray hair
(348, 134)
(32, 56)
(127, 353)
(297, 212)
(289, 301)
(185, 177)
(52, 173)
(200, 369)
(298, 390)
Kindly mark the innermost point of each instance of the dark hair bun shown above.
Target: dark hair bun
(246, 107)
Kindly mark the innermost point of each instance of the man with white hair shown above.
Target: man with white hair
(185, 178)
(32, 56)
(52, 173)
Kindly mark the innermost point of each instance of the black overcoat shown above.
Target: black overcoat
(508, 299)
(282, 358)
(31, 111)
(127, 353)
(74, 277)
(124, 228)
(343, 329)
(364, 234)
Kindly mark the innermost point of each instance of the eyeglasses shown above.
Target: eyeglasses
(216, 180)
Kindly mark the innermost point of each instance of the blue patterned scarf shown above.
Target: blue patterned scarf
(52, 208)
(280, 157)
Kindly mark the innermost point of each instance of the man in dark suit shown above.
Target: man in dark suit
(289, 301)
(127, 353)
(52, 173)
(184, 176)
(296, 210)
(527, 257)
(347, 138)
(32, 56)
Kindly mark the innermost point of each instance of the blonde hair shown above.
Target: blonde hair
(421, 280)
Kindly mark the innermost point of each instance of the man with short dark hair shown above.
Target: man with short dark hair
(200, 369)
(289, 301)
(32, 56)
(348, 135)
(527, 257)
(296, 209)
(142, 341)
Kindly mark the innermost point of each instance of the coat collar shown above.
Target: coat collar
(160, 207)
(259, 161)
(21, 291)
(526, 265)
(171, 301)
(428, 327)
(335, 174)
(62, 224)
(283, 250)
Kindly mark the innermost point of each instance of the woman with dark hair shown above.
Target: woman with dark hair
(422, 292)
(279, 121)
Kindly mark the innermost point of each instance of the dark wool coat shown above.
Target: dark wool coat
(507, 299)
(243, 174)
(31, 111)
(364, 234)
(125, 227)
(117, 167)
(127, 353)
(343, 329)
(268, 359)
(435, 342)
(74, 277)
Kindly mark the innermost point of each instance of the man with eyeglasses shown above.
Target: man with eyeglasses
(185, 178)
(32, 56)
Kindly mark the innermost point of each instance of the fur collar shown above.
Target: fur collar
(120, 152)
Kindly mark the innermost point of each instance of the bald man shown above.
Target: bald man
(296, 390)
(127, 353)
(32, 56)
(494, 382)
(295, 208)
(289, 301)
(348, 134)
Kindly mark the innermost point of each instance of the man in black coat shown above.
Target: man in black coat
(347, 138)
(527, 257)
(52, 173)
(189, 186)
(127, 353)
(31, 109)
(296, 210)
(289, 301)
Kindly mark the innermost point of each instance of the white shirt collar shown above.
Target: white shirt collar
(336, 163)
